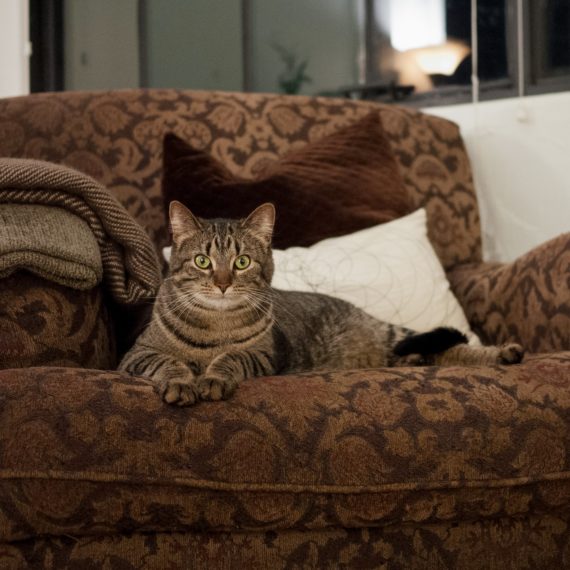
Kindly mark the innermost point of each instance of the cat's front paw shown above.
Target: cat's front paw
(179, 392)
(215, 388)
(511, 354)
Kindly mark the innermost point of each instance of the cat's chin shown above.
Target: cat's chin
(221, 302)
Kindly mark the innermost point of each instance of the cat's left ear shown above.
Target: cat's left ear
(182, 221)
(261, 221)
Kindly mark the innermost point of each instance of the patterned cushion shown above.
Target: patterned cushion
(43, 323)
(102, 454)
(117, 138)
(344, 182)
(526, 301)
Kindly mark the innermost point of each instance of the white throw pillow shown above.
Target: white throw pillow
(390, 271)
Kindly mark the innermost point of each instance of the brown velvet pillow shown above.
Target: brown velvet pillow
(344, 182)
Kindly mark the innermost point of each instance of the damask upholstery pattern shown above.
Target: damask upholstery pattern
(43, 323)
(527, 301)
(116, 137)
(315, 451)
(533, 543)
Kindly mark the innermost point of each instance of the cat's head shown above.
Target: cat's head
(222, 263)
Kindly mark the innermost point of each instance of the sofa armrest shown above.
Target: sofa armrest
(526, 301)
(43, 323)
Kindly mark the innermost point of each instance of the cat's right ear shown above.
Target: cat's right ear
(182, 221)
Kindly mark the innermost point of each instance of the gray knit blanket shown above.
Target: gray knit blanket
(50, 242)
(130, 266)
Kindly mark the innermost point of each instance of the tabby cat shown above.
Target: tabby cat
(217, 321)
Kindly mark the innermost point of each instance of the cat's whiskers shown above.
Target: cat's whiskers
(276, 301)
(267, 297)
(181, 305)
(262, 310)
(256, 307)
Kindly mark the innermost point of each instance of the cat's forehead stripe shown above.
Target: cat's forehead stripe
(223, 238)
(220, 241)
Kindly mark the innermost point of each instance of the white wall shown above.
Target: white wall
(101, 44)
(520, 154)
(14, 48)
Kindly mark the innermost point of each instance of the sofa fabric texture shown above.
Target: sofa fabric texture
(313, 451)
(526, 301)
(345, 182)
(43, 323)
(116, 137)
(423, 468)
(536, 542)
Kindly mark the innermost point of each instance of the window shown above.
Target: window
(427, 44)
(414, 51)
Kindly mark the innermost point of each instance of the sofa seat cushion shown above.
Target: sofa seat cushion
(88, 452)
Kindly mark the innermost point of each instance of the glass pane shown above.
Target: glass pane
(427, 43)
(100, 44)
(492, 32)
(558, 33)
(193, 44)
(550, 38)
(361, 48)
(300, 46)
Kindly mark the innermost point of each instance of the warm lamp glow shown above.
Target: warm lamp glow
(413, 23)
(442, 59)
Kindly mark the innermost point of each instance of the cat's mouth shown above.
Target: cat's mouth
(220, 301)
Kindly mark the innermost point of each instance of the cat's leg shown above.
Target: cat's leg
(447, 347)
(225, 372)
(176, 381)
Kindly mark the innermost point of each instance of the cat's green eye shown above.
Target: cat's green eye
(202, 261)
(242, 262)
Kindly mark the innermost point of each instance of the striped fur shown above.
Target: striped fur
(205, 338)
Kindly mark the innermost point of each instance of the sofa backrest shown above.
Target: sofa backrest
(116, 137)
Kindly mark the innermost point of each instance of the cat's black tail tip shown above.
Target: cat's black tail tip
(432, 342)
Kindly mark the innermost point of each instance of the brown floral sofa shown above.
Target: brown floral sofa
(405, 468)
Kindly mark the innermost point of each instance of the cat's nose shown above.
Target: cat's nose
(222, 280)
(223, 286)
